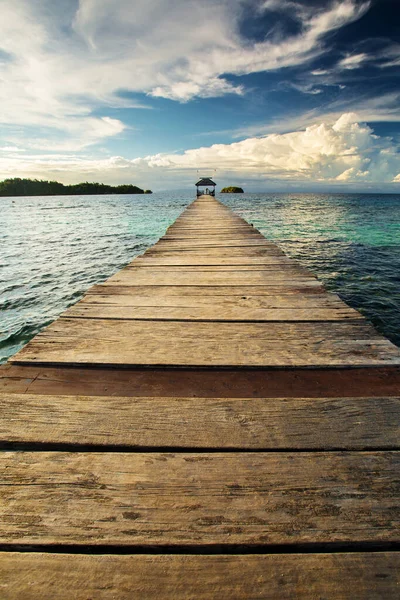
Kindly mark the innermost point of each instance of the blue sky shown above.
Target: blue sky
(274, 94)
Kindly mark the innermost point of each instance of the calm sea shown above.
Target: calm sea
(52, 249)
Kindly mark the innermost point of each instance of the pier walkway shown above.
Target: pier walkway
(208, 423)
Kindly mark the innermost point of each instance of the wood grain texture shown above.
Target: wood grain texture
(272, 270)
(199, 499)
(308, 288)
(220, 252)
(201, 383)
(178, 343)
(230, 301)
(234, 231)
(198, 260)
(165, 276)
(214, 313)
(166, 244)
(359, 576)
(155, 422)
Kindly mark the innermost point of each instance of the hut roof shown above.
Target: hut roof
(205, 181)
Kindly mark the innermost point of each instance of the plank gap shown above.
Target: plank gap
(206, 549)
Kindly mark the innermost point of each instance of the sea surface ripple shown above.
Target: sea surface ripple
(52, 249)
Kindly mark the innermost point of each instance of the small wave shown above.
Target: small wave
(62, 207)
(22, 335)
(12, 288)
(18, 303)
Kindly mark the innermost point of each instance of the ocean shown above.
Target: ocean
(52, 249)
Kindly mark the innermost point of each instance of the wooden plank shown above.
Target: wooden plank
(218, 219)
(274, 270)
(213, 242)
(251, 236)
(216, 313)
(197, 226)
(178, 343)
(159, 422)
(194, 225)
(339, 576)
(109, 295)
(197, 223)
(243, 230)
(237, 249)
(164, 244)
(192, 259)
(210, 383)
(201, 233)
(203, 278)
(308, 288)
(216, 253)
(194, 499)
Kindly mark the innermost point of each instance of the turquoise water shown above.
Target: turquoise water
(52, 249)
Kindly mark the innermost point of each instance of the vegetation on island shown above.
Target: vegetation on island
(232, 190)
(36, 187)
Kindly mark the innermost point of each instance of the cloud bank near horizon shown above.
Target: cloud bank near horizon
(346, 151)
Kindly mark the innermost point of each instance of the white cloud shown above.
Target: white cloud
(391, 56)
(345, 151)
(373, 109)
(11, 149)
(304, 88)
(61, 61)
(352, 61)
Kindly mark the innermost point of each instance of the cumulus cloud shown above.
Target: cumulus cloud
(346, 151)
(60, 62)
(375, 109)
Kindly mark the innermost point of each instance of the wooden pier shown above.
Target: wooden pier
(209, 423)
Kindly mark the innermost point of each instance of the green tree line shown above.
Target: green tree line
(37, 187)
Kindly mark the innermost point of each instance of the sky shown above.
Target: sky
(272, 95)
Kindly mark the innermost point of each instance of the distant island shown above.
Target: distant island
(232, 190)
(36, 187)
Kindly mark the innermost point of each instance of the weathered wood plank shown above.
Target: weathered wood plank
(218, 251)
(194, 226)
(216, 313)
(308, 289)
(271, 271)
(162, 245)
(165, 244)
(359, 576)
(251, 236)
(209, 383)
(178, 343)
(191, 277)
(203, 235)
(192, 259)
(108, 295)
(199, 499)
(149, 422)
